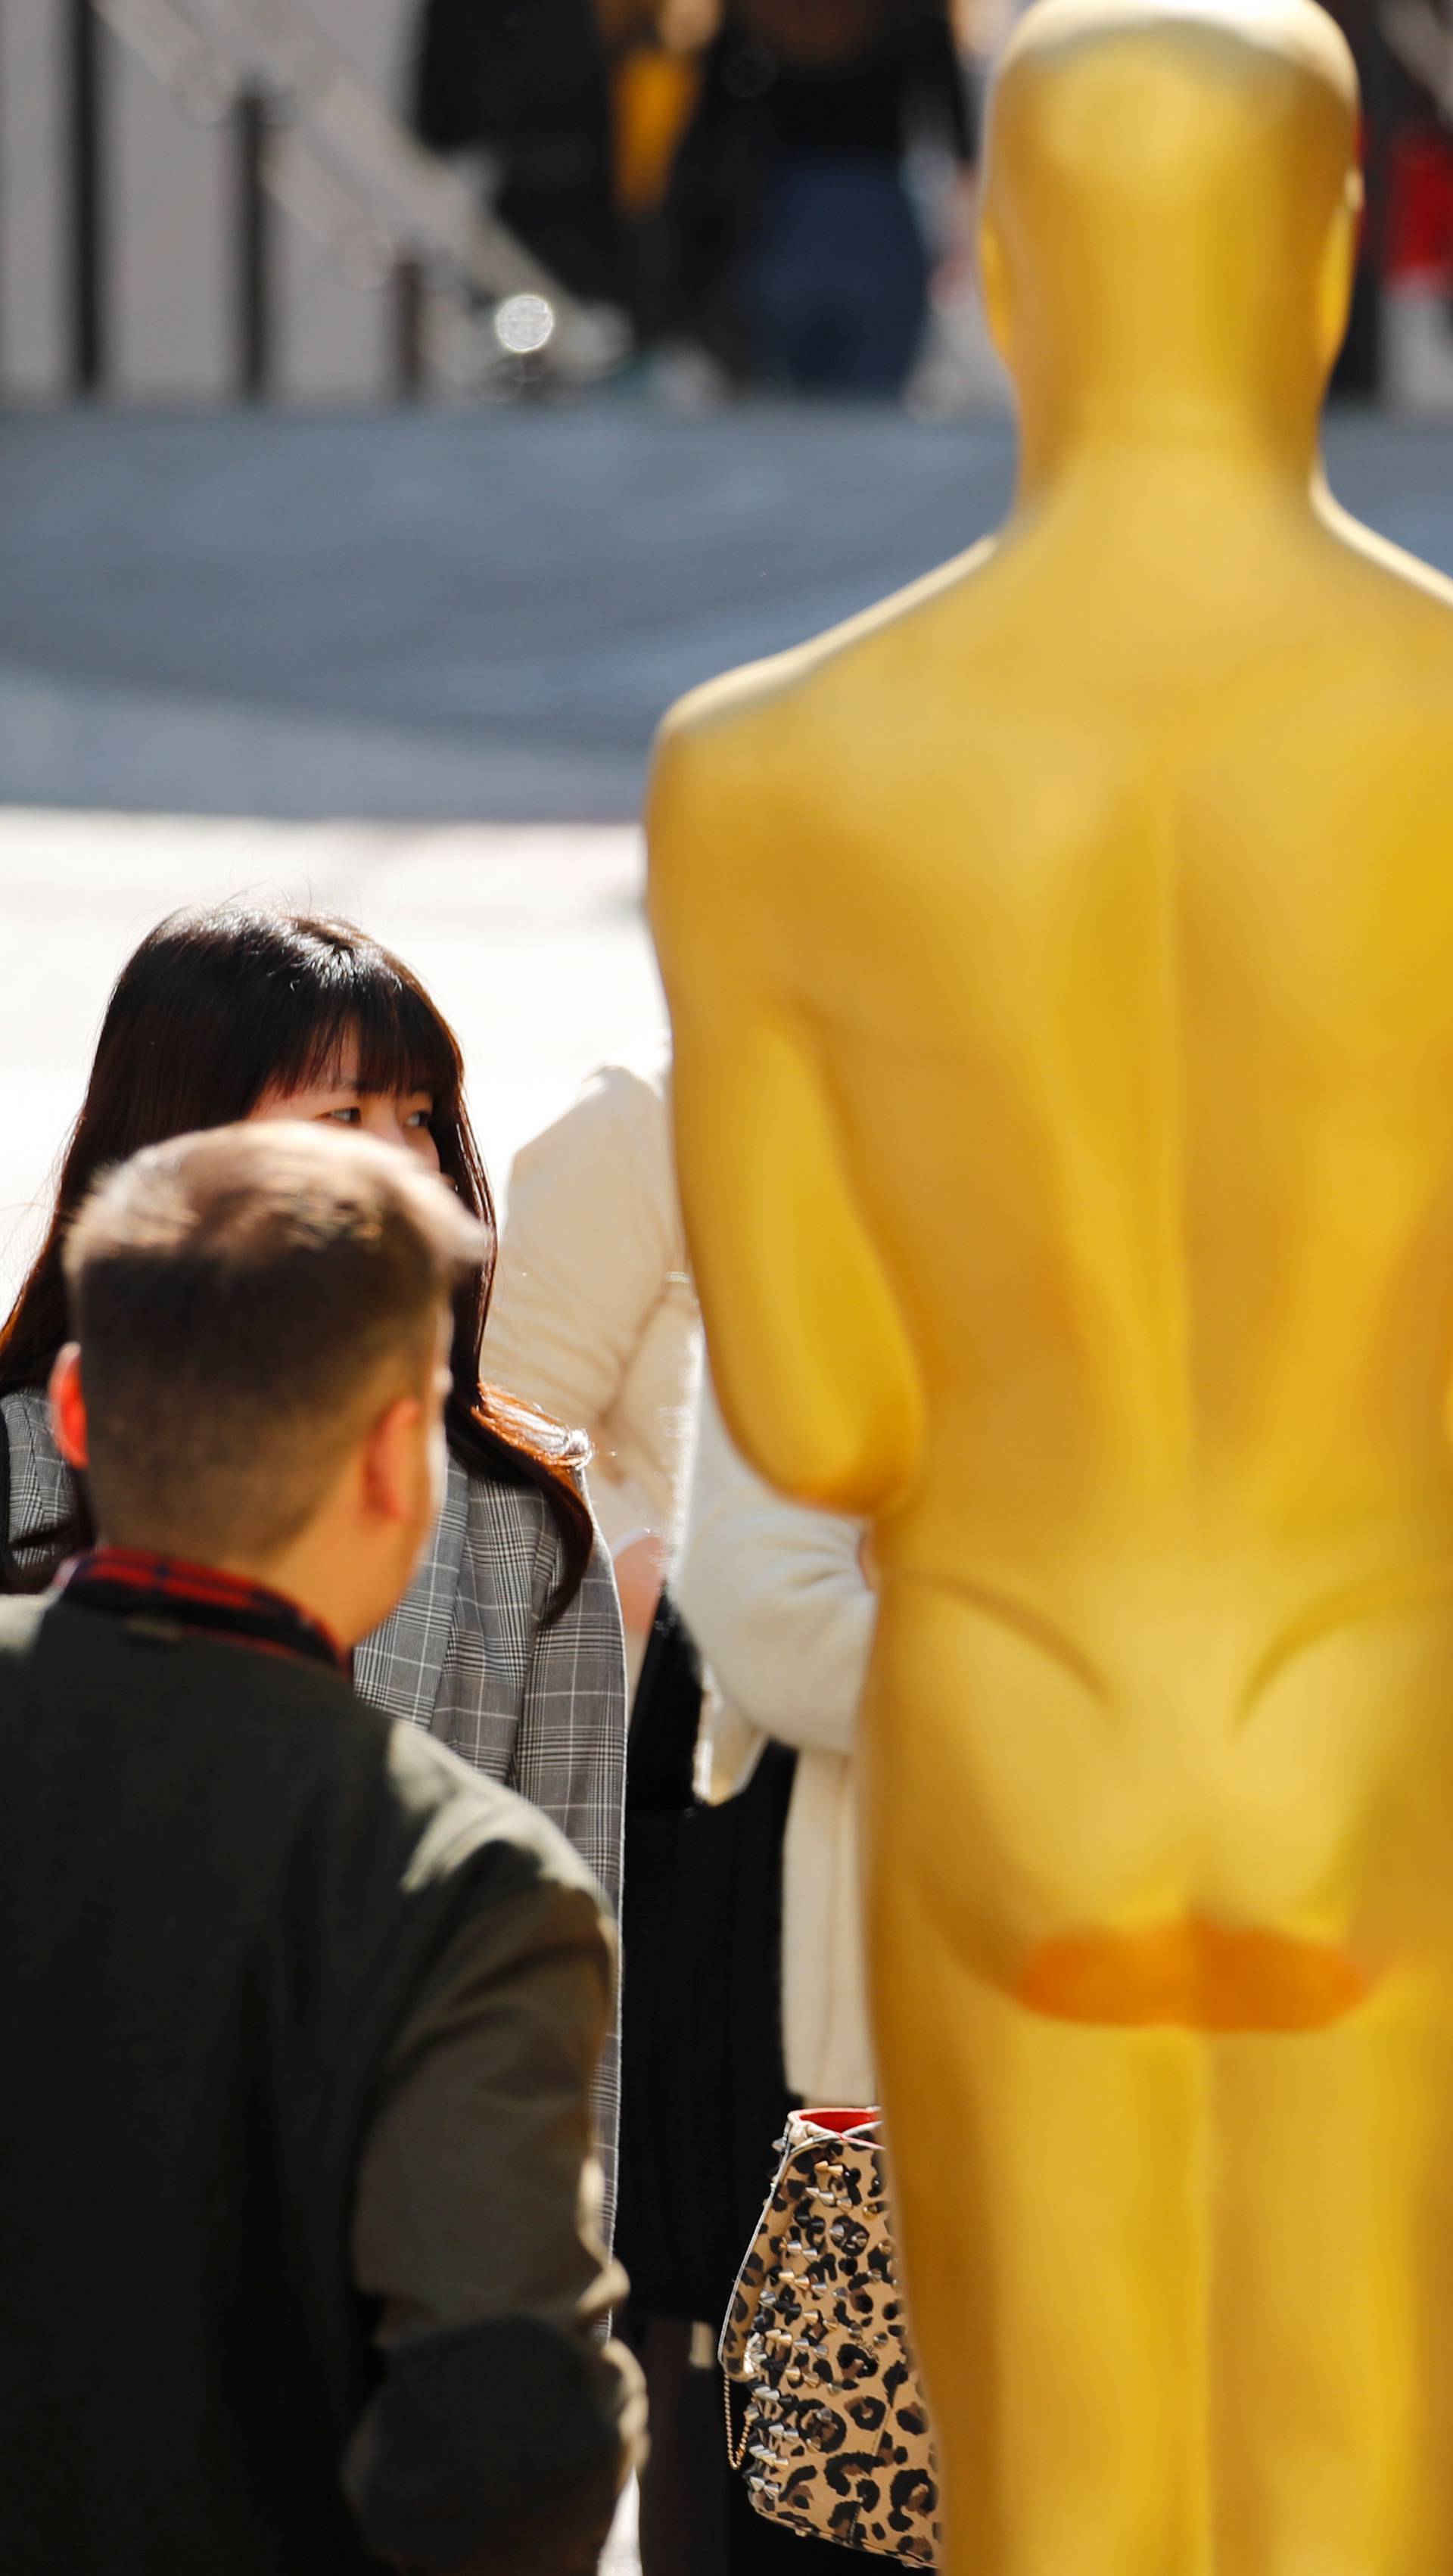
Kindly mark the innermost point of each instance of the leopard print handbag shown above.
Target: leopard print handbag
(816, 2358)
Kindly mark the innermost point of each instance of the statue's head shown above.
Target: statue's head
(1170, 212)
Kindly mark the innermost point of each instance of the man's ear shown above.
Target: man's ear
(994, 288)
(68, 1407)
(394, 1459)
(1339, 271)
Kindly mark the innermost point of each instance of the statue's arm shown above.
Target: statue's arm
(809, 1353)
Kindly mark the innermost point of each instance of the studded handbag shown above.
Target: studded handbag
(824, 2407)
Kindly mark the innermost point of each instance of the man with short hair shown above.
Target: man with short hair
(297, 2015)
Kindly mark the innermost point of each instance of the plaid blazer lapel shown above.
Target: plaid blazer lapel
(36, 1480)
(399, 1667)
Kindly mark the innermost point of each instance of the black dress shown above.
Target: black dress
(704, 2101)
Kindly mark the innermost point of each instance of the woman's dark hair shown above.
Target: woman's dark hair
(216, 1009)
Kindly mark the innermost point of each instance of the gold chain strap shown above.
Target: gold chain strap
(736, 2450)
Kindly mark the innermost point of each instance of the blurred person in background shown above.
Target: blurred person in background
(523, 83)
(654, 53)
(595, 1318)
(507, 1646)
(800, 256)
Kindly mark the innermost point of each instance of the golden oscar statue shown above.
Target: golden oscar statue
(1061, 965)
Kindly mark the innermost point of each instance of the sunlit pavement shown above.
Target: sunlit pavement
(430, 615)
(447, 615)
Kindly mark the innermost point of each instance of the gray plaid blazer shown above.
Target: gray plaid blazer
(465, 1657)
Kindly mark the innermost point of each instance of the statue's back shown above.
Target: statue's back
(1128, 939)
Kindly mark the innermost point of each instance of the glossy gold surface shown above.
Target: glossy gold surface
(1061, 965)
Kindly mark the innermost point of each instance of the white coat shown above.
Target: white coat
(776, 1598)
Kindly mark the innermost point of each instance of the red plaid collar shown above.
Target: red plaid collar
(132, 1580)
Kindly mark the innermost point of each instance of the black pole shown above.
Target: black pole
(408, 304)
(254, 248)
(87, 198)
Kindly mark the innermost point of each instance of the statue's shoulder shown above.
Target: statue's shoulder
(1395, 590)
(732, 725)
(710, 720)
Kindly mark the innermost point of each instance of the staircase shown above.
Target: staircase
(261, 225)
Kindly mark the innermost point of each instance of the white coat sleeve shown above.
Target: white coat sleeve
(591, 1235)
(775, 1597)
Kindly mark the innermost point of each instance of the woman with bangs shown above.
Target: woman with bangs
(508, 1645)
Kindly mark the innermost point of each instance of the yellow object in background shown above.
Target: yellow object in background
(654, 93)
(1061, 967)
(653, 49)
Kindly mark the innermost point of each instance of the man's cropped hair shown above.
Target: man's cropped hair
(246, 1301)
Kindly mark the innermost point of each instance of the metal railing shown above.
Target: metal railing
(472, 310)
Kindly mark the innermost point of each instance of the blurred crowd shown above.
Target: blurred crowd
(780, 192)
(776, 187)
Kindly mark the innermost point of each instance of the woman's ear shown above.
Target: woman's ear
(1338, 272)
(68, 1407)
